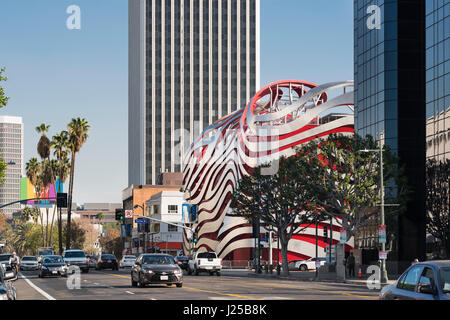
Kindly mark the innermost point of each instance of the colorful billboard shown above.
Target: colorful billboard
(27, 191)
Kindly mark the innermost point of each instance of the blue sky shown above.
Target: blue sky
(55, 74)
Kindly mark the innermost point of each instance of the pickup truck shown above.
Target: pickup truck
(205, 262)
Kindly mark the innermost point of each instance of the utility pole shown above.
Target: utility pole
(384, 276)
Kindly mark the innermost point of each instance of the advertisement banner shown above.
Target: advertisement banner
(381, 234)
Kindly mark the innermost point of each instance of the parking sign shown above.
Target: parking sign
(128, 213)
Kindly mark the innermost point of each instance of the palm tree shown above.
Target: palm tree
(33, 169)
(55, 167)
(78, 134)
(48, 179)
(44, 146)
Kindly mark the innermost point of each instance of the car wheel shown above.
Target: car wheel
(133, 283)
(169, 284)
(303, 267)
(179, 285)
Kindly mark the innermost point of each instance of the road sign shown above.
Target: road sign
(382, 234)
(264, 239)
(128, 213)
(343, 238)
(140, 220)
(383, 255)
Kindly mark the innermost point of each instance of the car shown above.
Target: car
(29, 263)
(92, 261)
(4, 260)
(183, 262)
(156, 269)
(52, 266)
(127, 262)
(7, 288)
(106, 261)
(305, 265)
(205, 262)
(429, 280)
(76, 257)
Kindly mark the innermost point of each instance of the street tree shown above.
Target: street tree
(111, 242)
(282, 201)
(60, 145)
(78, 134)
(438, 202)
(347, 180)
(3, 98)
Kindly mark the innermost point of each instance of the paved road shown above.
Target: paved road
(116, 285)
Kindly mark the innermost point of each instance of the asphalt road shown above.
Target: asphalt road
(232, 285)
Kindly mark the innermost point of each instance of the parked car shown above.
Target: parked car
(305, 265)
(7, 288)
(4, 260)
(205, 262)
(77, 258)
(107, 261)
(52, 266)
(183, 262)
(29, 263)
(428, 280)
(156, 269)
(127, 262)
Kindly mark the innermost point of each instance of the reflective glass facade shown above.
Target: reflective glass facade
(438, 78)
(201, 62)
(389, 65)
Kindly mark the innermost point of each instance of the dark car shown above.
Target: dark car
(92, 261)
(422, 281)
(156, 269)
(52, 266)
(182, 261)
(107, 261)
(7, 288)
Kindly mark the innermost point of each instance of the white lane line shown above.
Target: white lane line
(97, 284)
(129, 292)
(153, 299)
(45, 294)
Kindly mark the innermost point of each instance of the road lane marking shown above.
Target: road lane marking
(45, 294)
(129, 292)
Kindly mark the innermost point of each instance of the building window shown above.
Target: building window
(155, 209)
(173, 209)
(172, 228)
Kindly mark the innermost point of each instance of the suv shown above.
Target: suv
(77, 258)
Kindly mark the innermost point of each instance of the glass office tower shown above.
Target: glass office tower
(390, 98)
(438, 79)
(191, 62)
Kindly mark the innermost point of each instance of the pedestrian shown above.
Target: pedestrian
(351, 265)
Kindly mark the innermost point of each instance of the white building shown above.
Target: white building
(11, 149)
(191, 62)
(167, 207)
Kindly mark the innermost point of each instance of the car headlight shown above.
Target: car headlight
(178, 272)
(3, 296)
(148, 271)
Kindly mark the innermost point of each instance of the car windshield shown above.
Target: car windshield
(74, 254)
(108, 256)
(29, 259)
(5, 257)
(207, 255)
(158, 260)
(130, 257)
(53, 259)
(181, 258)
(445, 279)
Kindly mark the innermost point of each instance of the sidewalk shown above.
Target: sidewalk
(303, 276)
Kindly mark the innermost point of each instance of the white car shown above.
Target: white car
(305, 265)
(127, 262)
(76, 257)
(29, 263)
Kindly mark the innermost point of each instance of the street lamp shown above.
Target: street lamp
(384, 275)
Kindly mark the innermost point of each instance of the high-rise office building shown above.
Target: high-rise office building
(438, 79)
(191, 62)
(390, 98)
(11, 149)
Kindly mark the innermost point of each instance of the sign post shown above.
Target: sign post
(382, 234)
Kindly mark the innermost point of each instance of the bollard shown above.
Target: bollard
(278, 269)
(271, 269)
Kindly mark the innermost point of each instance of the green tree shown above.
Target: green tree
(111, 242)
(282, 201)
(44, 145)
(78, 134)
(77, 235)
(3, 167)
(3, 98)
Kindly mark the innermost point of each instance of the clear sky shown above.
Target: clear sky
(55, 74)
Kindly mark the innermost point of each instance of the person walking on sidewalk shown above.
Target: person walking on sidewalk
(351, 265)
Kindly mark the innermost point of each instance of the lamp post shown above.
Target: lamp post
(383, 271)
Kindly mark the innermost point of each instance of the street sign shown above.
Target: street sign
(140, 220)
(382, 234)
(317, 264)
(264, 239)
(128, 213)
(383, 255)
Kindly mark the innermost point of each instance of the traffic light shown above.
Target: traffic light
(195, 237)
(325, 234)
(120, 214)
(61, 200)
(193, 217)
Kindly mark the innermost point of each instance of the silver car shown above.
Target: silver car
(422, 281)
(29, 263)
